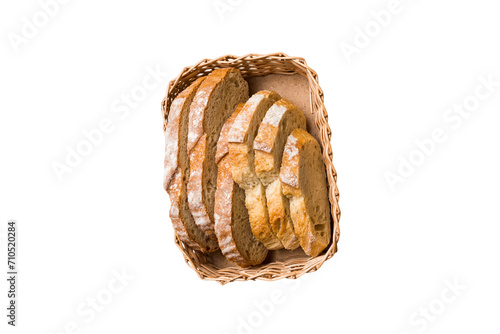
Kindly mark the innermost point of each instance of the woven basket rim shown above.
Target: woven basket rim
(292, 268)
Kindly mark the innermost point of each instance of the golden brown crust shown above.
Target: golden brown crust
(269, 128)
(179, 106)
(195, 187)
(278, 207)
(225, 220)
(222, 144)
(199, 105)
(174, 178)
(226, 201)
(312, 240)
(242, 135)
(183, 222)
(280, 120)
(241, 155)
(215, 101)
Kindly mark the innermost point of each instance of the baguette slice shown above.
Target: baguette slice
(215, 101)
(182, 220)
(177, 170)
(232, 226)
(280, 120)
(241, 157)
(304, 182)
(176, 132)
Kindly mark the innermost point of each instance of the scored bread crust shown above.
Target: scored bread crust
(280, 120)
(241, 156)
(303, 180)
(177, 169)
(215, 101)
(228, 200)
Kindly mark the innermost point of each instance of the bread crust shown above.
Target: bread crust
(223, 144)
(281, 223)
(280, 120)
(180, 105)
(242, 135)
(200, 102)
(195, 187)
(224, 206)
(312, 240)
(181, 218)
(241, 156)
(174, 179)
(206, 119)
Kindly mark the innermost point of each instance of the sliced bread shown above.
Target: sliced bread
(215, 100)
(303, 180)
(232, 226)
(241, 157)
(182, 220)
(177, 172)
(281, 119)
(176, 132)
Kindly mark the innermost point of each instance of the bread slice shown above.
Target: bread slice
(304, 182)
(232, 226)
(280, 120)
(176, 131)
(182, 220)
(177, 171)
(215, 100)
(241, 157)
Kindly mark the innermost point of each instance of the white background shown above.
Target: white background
(398, 248)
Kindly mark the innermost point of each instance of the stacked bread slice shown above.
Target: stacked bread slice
(281, 119)
(241, 156)
(304, 182)
(242, 173)
(236, 240)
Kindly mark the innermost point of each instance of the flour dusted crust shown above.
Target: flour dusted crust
(281, 119)
(223, 144)
(303, 180)
(214, 102)
(195, 186)
(182, 220)
(243, 249)
(241, 156)
(179, 110)
(177, 169)
(198, 108)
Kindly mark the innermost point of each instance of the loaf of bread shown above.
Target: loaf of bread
(281, 119)
(304, 182)
(232, 226)
(215, 100)
(177, 172)
(241, 157)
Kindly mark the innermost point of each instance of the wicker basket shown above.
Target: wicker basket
(259, 70)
